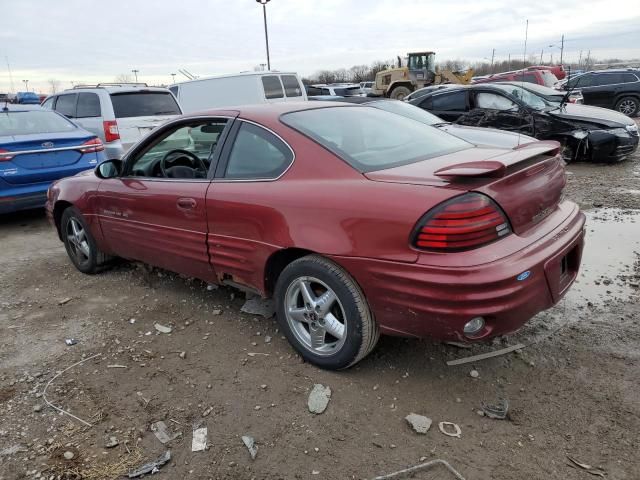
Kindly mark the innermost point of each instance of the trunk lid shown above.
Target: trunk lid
(132, 129)
(41, 154)
(526, 182)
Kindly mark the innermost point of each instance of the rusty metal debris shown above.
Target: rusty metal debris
(498, 411)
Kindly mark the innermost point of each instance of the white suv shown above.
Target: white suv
(120, 114)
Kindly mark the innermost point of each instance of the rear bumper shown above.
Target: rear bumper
(612, 146)
(23, 198)
(434, 301)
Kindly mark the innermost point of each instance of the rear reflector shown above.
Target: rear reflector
(92, 146)
(5, 155)
(111, 132)
(462, 223)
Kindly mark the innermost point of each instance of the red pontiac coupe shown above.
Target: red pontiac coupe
(358, 221)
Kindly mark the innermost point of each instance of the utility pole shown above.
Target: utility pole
(509, 67)
(580, 60)
(26, 85)
(541, 53)
(10, 74)
(493, 54)
(266, 35)
(173, 78)
(561, 48)
(135, 72)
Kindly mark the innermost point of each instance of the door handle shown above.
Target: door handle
(186, 203)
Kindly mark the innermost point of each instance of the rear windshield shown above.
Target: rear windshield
(346, 91)
(370, 139)
(37, 121)
(144, 104)
(407, 110)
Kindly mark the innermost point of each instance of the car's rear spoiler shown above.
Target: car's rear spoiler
(498, 167)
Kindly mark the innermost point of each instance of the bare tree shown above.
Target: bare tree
(359, 73)
(123, 78)
(54, 85)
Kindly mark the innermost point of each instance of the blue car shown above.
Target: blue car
(27, 98)
(37, 147)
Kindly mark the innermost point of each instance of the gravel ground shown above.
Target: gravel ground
(573, 391)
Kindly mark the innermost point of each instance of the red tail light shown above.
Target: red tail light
(111, 132)
(462, 223)
(93, 145)
(5, 155)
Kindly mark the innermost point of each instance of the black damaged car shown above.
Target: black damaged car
(586, 133)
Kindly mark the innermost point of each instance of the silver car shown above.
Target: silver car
(120, 114)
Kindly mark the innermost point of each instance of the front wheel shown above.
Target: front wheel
(399, 93)
(324, 314)
(629, 106)
(79, 243)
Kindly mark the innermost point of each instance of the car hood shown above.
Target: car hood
(489, 137)
(596, 115)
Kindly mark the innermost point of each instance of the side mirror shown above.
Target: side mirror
(109, 169)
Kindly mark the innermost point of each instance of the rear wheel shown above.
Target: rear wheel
(399, 93)
(324, 314)
(629, 106)
(79, 243)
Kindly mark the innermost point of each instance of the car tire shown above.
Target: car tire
(399, 93)
(324, 313)
(630, 106)
(79, 243)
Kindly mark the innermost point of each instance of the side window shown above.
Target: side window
(198, 140)
(48, 103)
(257, 154)
(66, 105)
(526, 77)
(607, 79)
(494, 101)
(450, 102)
(272, 86)
(313, 91)
(88, 105)
(581, 81)
(174, 90)
(291, 86)
(325, 91)
(427, 104)
(629, 77)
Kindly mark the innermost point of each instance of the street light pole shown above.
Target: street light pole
(493, 54)
(173, 76)
(135, 72)
(561, 48)
(26, 85)
(266, 35)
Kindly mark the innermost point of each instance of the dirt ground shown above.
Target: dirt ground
(572, 392)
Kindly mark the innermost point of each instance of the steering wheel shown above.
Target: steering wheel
(196, 161)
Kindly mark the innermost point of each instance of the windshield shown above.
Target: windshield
(34, 122)
(371, 139)
(347, 91)
(407, 110)
(144, 104)
(528, 98)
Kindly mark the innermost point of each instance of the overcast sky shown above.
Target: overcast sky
(90, 41)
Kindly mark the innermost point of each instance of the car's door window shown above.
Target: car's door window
(88, 105)
(159, 159)
(629, 78)
(291, 86)
(493, 101)
(450, 102)
(272, 86)
(257, 154)
(66, 105)
(603, 79)
(48, 103)
(585, 80)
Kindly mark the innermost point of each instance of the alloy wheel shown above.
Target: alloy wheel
(78, 241)
(315, 315)
(627, 107)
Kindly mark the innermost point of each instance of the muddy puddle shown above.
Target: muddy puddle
(610, 270)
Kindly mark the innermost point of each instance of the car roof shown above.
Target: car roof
(114, 89)
(11, 107)
(273, 110)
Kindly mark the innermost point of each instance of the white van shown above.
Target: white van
(238, 89)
